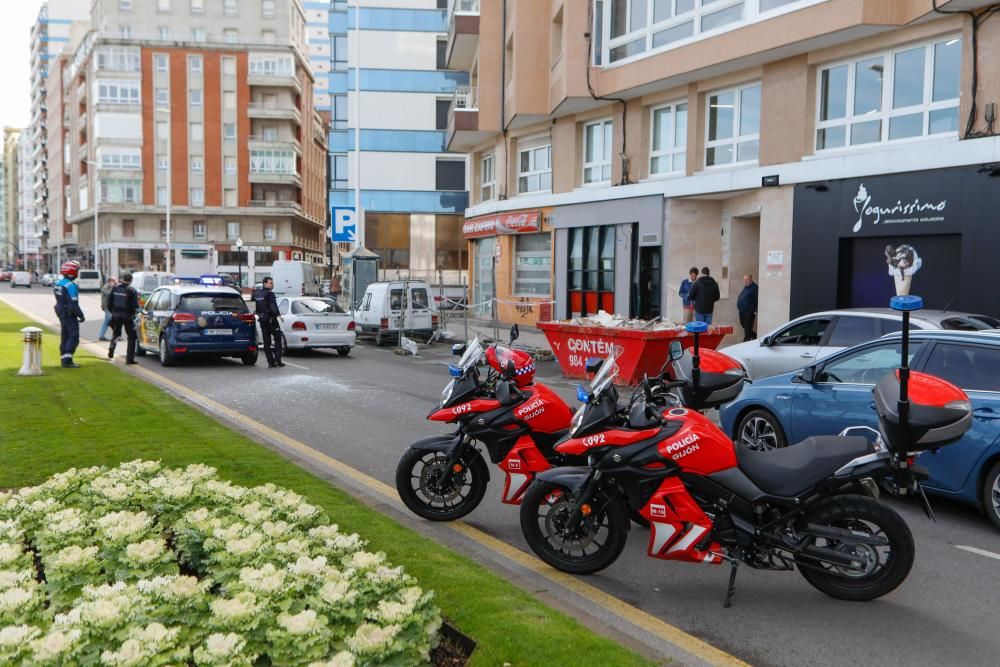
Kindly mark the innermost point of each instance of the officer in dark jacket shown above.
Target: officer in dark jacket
(124, 303)
(270, 329)
(704, 293)
(746, 304)
(68, 311)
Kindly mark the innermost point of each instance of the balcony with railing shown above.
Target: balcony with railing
(463, 120)
(271, 111)
(463, 33)
(263, 141)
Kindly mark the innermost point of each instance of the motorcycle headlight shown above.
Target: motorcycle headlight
(448, 391)
(577, 420)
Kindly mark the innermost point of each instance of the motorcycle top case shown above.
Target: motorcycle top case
(940, 413)
(721, 380)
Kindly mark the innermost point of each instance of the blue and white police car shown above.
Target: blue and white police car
(183, 321)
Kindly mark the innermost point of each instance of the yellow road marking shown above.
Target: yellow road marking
(633, 615)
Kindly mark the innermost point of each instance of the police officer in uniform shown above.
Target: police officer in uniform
(267, 313)
(123, 303)
(68, 311)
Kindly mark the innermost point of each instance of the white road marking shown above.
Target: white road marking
(979, 552)
(305, 368)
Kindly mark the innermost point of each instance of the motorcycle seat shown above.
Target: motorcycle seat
(790, 471)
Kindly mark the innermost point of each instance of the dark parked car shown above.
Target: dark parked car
(836, 392)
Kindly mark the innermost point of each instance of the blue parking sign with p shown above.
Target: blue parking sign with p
(344, 225)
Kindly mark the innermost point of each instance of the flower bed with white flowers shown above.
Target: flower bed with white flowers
(144, 565)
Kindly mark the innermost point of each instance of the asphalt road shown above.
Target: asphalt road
(365, 409)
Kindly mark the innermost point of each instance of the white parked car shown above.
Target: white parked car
(805, 339)
(49, 279)
(20, 279)
(309, 322)
(388, 307)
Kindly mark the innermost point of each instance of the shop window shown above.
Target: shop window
(591, 269)
(388, 235)
(450, 175)
(449, 243)
(532, 264)
(597, 152)
(535, 170)
(905, 94)
(668, 147)
(733, 126)
(487, 177)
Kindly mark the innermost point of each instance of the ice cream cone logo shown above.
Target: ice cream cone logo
(903, 261)
(860, 203)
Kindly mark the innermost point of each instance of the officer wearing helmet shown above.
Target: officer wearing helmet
(68, 311)
(123, 303)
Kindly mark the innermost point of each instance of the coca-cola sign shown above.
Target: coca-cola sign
(502, 223)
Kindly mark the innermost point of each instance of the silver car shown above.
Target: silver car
(810, 337)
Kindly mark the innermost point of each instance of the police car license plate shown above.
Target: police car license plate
(326, 327)
(218, 332)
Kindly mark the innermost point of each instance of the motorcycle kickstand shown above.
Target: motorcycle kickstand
(732, 579)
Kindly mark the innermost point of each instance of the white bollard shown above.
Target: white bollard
(32, 364)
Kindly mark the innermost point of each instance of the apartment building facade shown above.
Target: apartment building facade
(28, 237)
(413, 191)
(11, 135)
(198, 117)
(800, 141)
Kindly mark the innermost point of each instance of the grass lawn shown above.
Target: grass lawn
(98, 415)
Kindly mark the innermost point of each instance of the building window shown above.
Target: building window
(232, 230)
(487, 177)
(229, 66)
(229, 7)
(197, 6)
(194, 63)
(450, 175)
(160, 59)
(230, 36)
(197, 196)
(229, 131)
(628, 28)
(197, 35)
(162, 130)
(125, 5)
(388, 235)
(163, 229)
(269, 232)
(194, 97)
(443, 108)
(120, 160)
(272, 162)
(442, 54)
(118, 91)
(230, 165)
(197, 132)
(905, 94)
(163, 5)
(229, 197)
(128, 228)
(117, 59)
(162, 163)
(339, 103)
(597, 152)
(338, 172)
(267, 9)
(161, 195)
(162, 97)
(197, 164)
(338, 48)
(733, 126)
(198, 230)
(272, 64)
(268, 36)
(125, 32)
(535, 170)
(532, 264)
(120, 190)
(668, 145)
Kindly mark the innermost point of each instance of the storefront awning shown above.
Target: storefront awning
(194, 253)
(526, 222)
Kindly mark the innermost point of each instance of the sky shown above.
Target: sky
(15, 37)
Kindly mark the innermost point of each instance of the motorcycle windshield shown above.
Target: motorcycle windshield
(472, 354)
(606, 375)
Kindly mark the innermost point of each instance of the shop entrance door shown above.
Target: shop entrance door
(483, 284)
(591, 270)
(646, 286)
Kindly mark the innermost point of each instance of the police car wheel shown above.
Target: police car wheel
(166, 359)
(249, 359)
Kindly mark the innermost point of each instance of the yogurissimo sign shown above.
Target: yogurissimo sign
(872, 212)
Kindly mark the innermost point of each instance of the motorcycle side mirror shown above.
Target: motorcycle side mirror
(458, 349)
(807, 375)
(514, 333)
(676, 350)
(594, 364)
(511, 370)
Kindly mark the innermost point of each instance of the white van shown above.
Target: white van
(146, 282)
(388, 307)
(89, 280)
(293, 278)
(20, 279)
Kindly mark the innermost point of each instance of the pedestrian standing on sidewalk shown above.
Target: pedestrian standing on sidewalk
(685, 292)
(124, 304)
(746, 304)
(106, 307)
(68, 311)
(704, 293)
(270, 318)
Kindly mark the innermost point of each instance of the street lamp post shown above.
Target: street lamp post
(169, 179)
(96, 197)
(239, 258)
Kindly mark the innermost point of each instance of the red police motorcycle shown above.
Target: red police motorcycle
(813, 505)
(517, 420)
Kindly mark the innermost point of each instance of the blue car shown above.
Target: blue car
(181, 321)
(832, 394)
